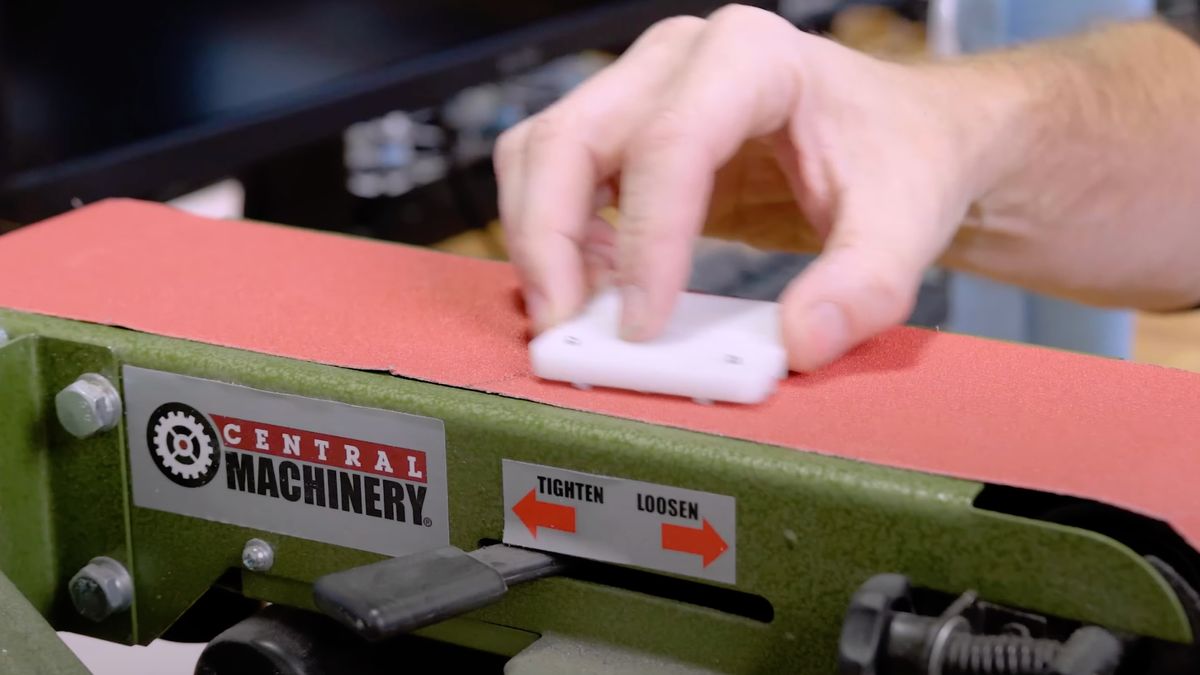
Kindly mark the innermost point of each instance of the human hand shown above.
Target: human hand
(741, 126)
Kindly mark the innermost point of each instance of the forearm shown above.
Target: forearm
(1086, 179)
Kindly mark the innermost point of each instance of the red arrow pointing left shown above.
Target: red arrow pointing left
(704, 541)
(535, 514)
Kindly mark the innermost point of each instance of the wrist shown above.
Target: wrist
(992, 117)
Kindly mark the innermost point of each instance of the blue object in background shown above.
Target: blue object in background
(982, 307)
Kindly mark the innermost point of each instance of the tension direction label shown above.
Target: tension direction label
(363, 478)
(620, 521)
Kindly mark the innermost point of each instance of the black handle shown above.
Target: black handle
(397, 596)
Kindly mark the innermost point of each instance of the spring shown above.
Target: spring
(998, 655)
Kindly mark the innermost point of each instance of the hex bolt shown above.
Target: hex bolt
(258, 556)
(102, 588)
(88, 406)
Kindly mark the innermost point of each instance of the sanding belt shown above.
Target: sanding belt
(1122, 433)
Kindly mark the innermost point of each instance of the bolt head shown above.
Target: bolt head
(258, 556)
(101, 588)
(88, 406)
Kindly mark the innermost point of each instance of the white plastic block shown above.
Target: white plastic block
(714, 348)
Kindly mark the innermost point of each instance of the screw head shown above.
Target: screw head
(101, 588)
(88, 405)
(258, 556)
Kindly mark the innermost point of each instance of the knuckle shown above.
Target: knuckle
(641, 242)
(735, 17)
(629, 270)
(672, 29)
(667, 129)
(891, 293)
(508, 148)
(752, 33)
(547, 128)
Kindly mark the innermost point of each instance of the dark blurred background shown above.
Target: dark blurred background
(329, 113)
(367, 115)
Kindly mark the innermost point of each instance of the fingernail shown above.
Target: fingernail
(828, 332)
(633, 312)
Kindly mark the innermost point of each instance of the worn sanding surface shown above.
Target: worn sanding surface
(1123, 433)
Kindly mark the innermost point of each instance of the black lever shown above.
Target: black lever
(397, 596)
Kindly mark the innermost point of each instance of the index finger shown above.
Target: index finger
(568, 151)
(736, 86)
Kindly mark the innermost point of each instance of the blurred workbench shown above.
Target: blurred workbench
(1168, 340)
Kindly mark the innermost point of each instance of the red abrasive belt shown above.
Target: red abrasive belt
(1122, 433)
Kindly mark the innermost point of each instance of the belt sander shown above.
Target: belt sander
(322, 454)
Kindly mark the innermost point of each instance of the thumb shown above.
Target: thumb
(864, 283)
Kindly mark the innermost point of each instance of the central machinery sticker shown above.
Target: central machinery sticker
(363, 478)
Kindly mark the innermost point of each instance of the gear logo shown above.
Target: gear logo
(183, 444)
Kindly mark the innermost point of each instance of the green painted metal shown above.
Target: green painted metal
(88, 486)
(28, 643)
(26, 526)
(810, 528)
(62, 499)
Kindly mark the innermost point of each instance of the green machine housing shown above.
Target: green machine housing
(842, 566)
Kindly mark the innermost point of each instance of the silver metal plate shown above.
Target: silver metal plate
(363, 478)
(620, 521)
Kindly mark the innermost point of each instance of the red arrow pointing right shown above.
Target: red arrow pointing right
(535, 514)
(703, 541)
